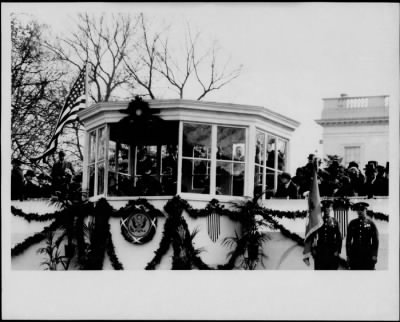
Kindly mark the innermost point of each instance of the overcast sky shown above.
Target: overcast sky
(293, 55)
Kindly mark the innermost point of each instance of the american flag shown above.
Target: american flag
(76, 100)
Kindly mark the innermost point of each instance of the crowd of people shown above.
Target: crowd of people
(30, 185)
(335, 180)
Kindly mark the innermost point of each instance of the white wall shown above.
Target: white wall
(282, 252)
(373, 140)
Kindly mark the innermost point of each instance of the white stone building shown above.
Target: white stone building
(356, 128)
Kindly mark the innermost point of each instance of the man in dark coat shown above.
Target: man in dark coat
(62, 173)
(17, 181)
(286, 188)
(31, 188)
(362, 240)
(327, 243)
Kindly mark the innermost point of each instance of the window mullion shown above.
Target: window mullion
(96, 151)
(213, 170)
(180, 142)
(264, 166)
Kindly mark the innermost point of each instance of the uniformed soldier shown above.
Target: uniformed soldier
(362, 240)
(328, 241)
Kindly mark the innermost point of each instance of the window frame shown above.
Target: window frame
(213, 161)
(269, 134)
(96, 161)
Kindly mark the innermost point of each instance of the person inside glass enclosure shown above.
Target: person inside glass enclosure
(327, 243)
(62, 173)
(17, 181)
(239, 153)
(362, 240)
(286, 188)
(148, 185)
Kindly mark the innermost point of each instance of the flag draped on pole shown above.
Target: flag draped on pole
(314, 218)
(75, 101)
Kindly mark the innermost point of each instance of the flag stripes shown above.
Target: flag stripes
(342, 217)
(214, 226)
(75, 101)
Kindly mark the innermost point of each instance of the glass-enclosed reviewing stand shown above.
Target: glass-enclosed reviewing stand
(195, 149)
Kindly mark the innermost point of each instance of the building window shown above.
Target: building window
(270, 161)
(229, 162)
(351, 153)
(196, 158)
(231, 158)
(96, 165)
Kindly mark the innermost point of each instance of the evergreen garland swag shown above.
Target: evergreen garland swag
(176, 232)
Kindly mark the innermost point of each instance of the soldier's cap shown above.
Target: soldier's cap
(326, 203)
(360, 206)
(61, 153)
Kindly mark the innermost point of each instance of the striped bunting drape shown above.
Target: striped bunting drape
(213, 226)
(342, 217)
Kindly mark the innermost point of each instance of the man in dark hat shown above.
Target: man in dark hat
(62, 173)
(286, 188)
(17, 181)
(362, 240)
(327, 243)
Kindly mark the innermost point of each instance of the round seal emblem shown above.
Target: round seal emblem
(139, 227)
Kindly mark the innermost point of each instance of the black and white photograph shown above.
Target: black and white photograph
(201, 137)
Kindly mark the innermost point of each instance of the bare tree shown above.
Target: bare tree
(102, 42)
(156, 62)
(35, 89)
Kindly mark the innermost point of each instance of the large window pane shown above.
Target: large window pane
(92, 147)
(146, 160)
(270, 183)
(282, 147)
(258, 179)
(100, 178)
(102, 144)
(169, 165)
(196, 140)
(260, 143)
(231, 143)
(91, 180)
(230, 178)
(112, 158)
(271, 147)
(123, 158)
(195, 176)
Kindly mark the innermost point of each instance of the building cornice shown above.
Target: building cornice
(353, 121)
(175, 105)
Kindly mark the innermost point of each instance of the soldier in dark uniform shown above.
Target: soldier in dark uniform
(327, 242)
(362, 240)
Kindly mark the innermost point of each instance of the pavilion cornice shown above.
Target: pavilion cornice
(353, 121)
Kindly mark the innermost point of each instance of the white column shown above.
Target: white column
(180, 140)
(250, 157)
(85, 179)
(213, 169)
